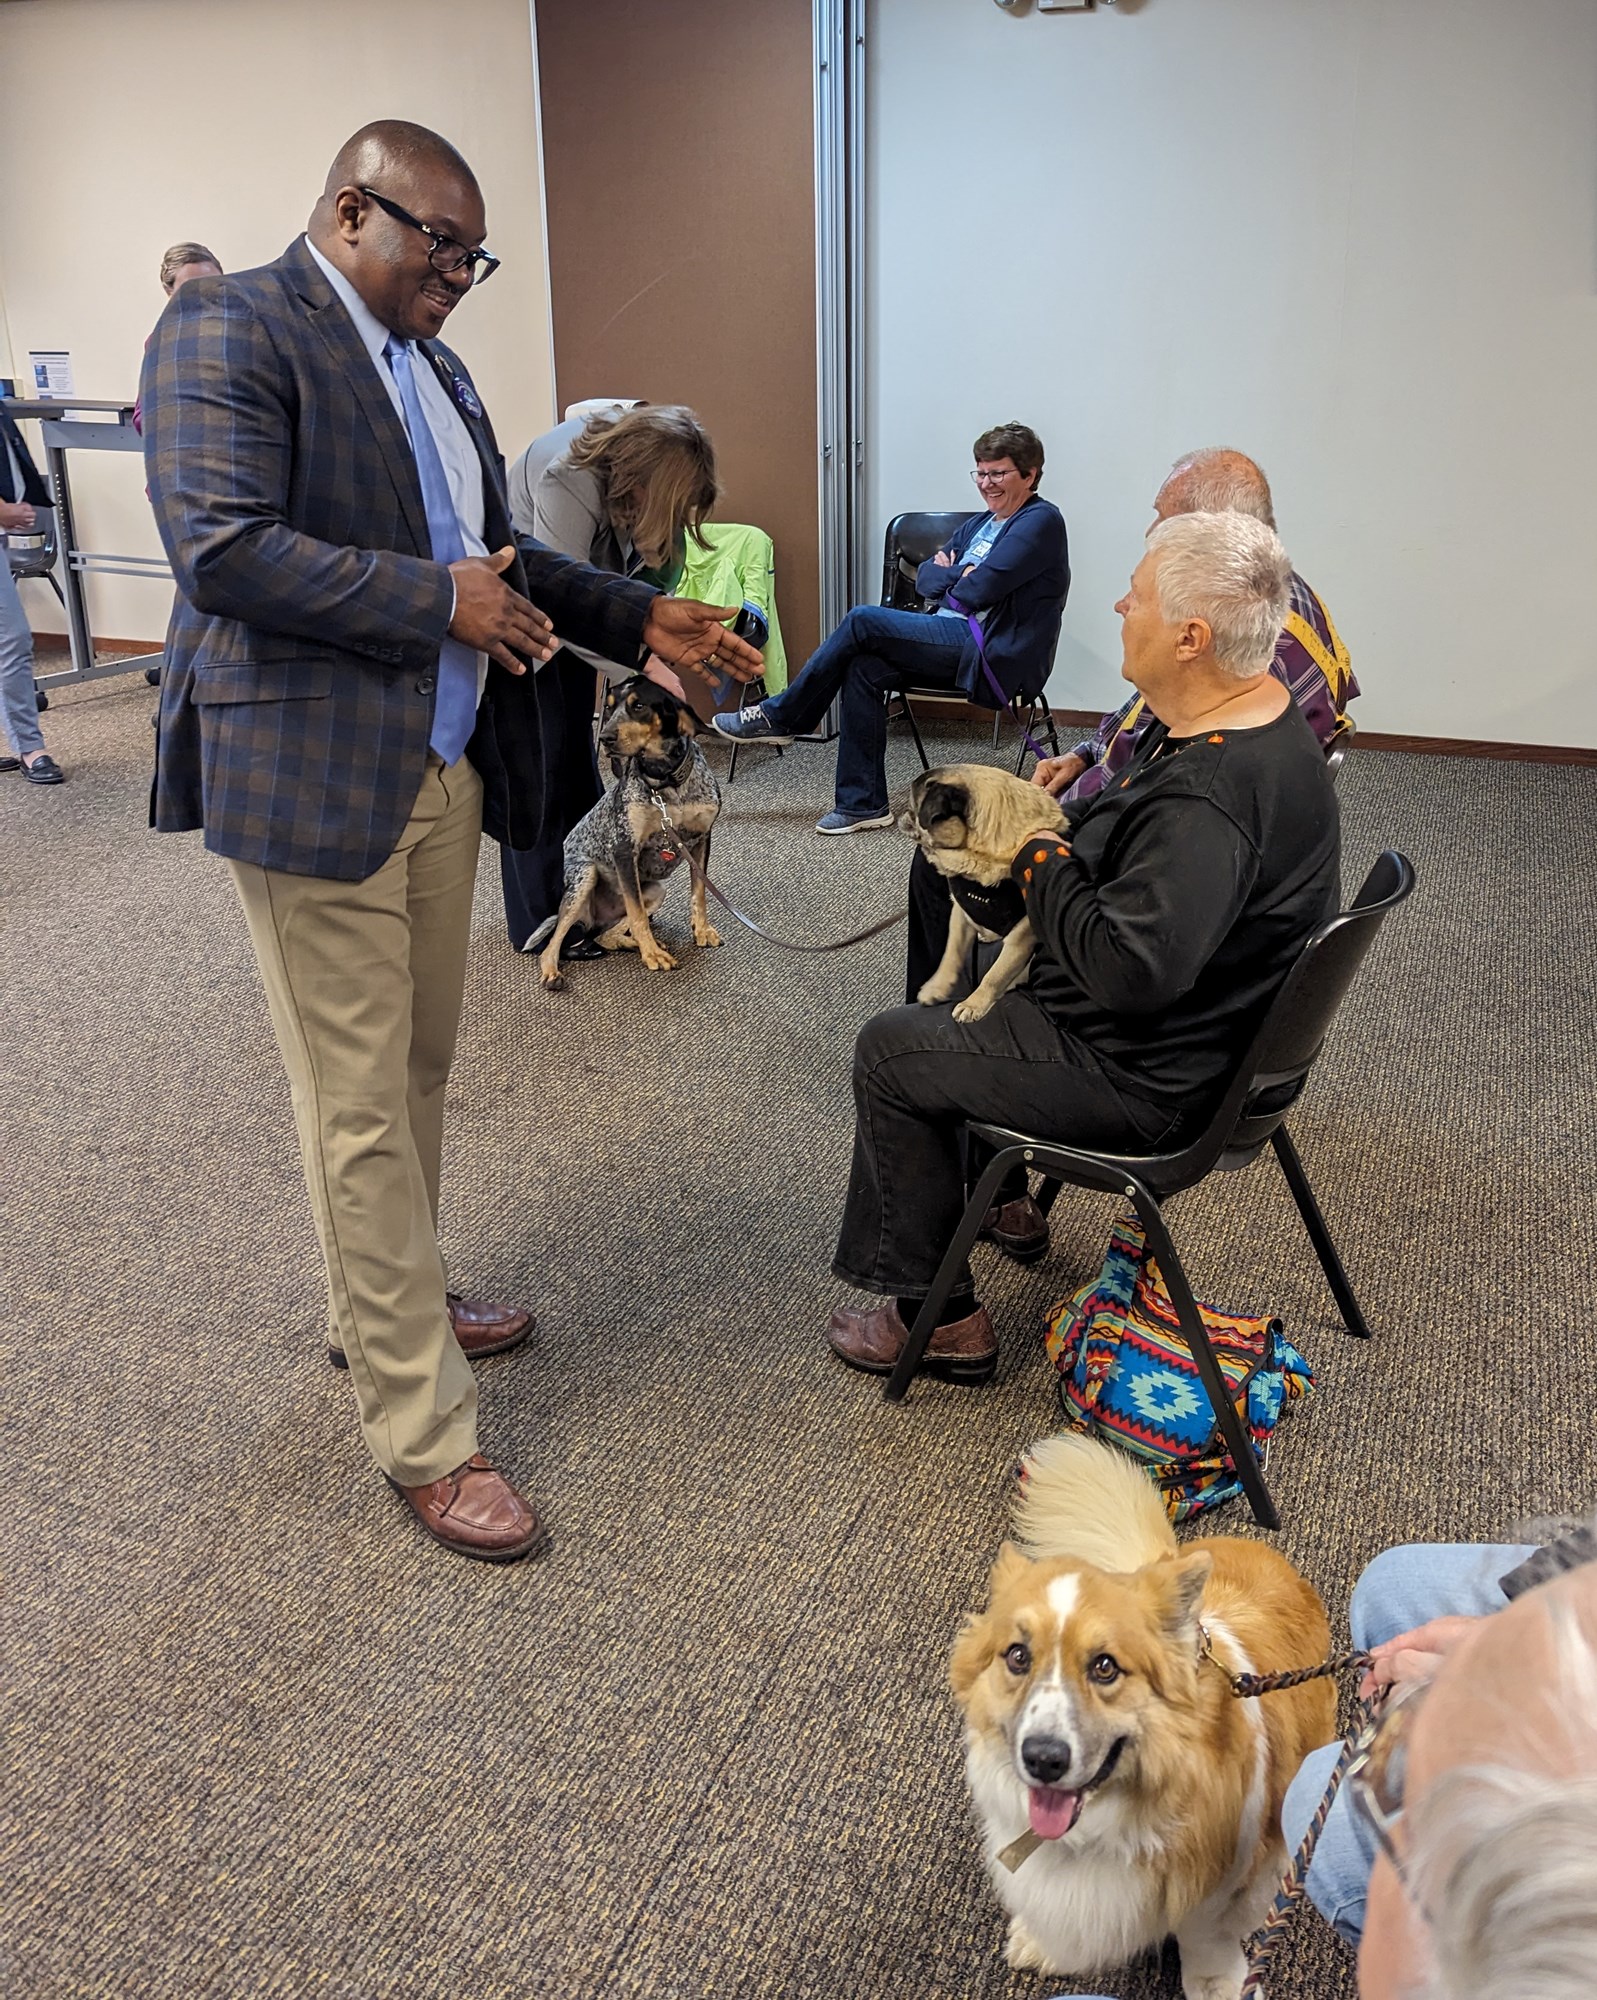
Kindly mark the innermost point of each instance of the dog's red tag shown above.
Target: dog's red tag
(667, 854)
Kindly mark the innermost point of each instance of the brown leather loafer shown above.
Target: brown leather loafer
(872, 1338)
(475, 1511)
(480, 1326)
(1018, 1227)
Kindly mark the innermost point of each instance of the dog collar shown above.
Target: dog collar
(661, 784)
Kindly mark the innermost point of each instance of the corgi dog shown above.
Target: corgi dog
(1124, 1794)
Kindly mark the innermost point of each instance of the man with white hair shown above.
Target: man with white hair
(1310, 658)
(1166, 915)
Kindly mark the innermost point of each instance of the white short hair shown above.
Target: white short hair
(1503, 1857)
(1231, 571)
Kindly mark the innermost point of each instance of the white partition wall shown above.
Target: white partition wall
(1358, 240)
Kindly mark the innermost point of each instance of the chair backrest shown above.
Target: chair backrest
(1299, 1018)
(1338, 744)
(911, 540)
(34, 553)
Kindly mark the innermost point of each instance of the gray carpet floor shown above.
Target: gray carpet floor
(261, 1738)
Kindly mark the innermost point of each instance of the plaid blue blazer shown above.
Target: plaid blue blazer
(302, 657)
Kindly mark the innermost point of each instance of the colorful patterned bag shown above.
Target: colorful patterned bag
(1127, 1375)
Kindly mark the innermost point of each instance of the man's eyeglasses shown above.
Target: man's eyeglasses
(444, 254)
(1376, 1777)
(992, 478)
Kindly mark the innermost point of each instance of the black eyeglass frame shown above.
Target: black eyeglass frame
(478, 262)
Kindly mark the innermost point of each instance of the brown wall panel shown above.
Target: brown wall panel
(679, 179)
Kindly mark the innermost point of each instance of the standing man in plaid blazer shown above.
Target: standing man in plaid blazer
(344, 709)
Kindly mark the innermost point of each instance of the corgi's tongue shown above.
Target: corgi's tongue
(1053, 1813)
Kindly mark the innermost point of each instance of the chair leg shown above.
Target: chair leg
(948, 1271)
(914, 730)
(1048, 1194)
(1314, 1222)
(1237, 1441)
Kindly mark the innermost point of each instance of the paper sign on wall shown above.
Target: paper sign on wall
(51, 371)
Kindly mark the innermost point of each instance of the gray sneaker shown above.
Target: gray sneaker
(748, 725)
(842, 822)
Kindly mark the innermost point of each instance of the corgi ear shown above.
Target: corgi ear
(1011, 1565)
(972, 1655)
(1178, 1587)
(978, 1639)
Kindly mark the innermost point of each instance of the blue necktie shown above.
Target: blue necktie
(455, 715)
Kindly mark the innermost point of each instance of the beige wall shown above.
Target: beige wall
(215, 120)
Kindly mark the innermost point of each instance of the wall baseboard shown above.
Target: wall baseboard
(55, 647)
(1367, 739)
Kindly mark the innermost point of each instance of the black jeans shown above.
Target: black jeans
(918, 1075)
(927, 939)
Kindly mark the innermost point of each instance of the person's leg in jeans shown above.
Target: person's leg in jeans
(1401, 1589)
(894, 662)
(19, 707)
(873, 650)
(918, 1075)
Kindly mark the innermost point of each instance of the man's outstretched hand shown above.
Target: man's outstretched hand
(686, 633)
(494, 619)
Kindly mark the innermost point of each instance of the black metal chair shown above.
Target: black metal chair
(1252, 1113)
(912, 539)
(35, 551)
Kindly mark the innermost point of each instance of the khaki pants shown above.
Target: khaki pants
(364, 984)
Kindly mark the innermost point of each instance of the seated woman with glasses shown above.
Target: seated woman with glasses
(1006, 572)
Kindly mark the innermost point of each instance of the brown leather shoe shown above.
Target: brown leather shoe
(872, 1338)
(475, 1511)
(1018, 1227)
(480, 1326)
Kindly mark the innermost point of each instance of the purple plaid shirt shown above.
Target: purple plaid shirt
(1309, 657)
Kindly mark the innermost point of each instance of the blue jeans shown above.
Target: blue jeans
(19, 708)
(1401, 1589)
(871, 653)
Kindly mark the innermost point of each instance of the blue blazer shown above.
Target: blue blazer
(302, 658)
(1022, 585)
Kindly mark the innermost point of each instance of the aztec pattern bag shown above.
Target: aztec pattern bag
(1127, 1375)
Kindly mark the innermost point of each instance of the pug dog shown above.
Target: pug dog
(969, 821)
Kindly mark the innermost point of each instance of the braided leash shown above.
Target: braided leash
(1262, 1947)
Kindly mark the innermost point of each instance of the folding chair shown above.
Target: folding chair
(33, 552)
(1252, 1112)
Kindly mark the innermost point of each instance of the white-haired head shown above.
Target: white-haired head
(1231, 571)
(1502, 1850)
(1216, 480)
